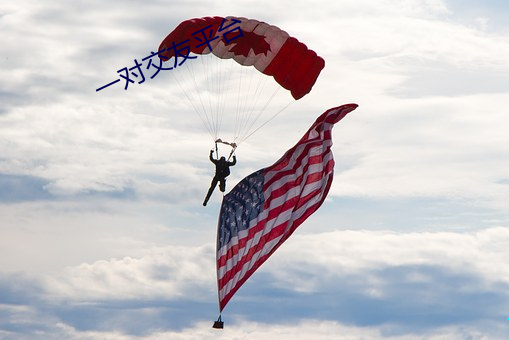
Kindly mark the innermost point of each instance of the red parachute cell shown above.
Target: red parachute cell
(266, 47)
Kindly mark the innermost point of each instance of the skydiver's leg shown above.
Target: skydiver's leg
(211, 189)
(222, 184)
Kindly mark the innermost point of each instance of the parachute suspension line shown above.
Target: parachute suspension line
(263, 80)
(217, 92)
(268, 121)
(203, 113)
(190, 100)
(209, 113)
(250, 117)
(241, 98)
(260, 112)
(248, 103)
(225, 68)
(214, 75)
(251, 97)
(216, 79)
(192, 74)
(239, 104)
(234, 146)
(245, 108)
(248, 133)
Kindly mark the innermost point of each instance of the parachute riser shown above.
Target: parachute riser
(231, 153)
(233, 145)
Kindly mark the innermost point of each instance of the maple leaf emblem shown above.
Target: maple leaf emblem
(249, 41)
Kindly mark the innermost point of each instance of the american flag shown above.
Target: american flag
(266, 207)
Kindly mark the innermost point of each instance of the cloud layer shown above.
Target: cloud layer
(102, 235)
(395, 285)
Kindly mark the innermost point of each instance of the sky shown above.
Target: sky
(102, 231)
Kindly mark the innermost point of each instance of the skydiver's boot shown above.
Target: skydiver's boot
(209, 193)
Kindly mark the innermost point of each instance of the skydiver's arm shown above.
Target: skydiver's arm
(234, 161)
(210, 156)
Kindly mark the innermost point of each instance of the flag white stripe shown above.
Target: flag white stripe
(248, 265)
(315, 168)
(316, 150)
(281, 218)
(288, 215)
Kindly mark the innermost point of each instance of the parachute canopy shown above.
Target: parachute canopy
(233, 101)
(268, 48)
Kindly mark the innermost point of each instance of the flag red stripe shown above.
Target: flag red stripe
(296, 182)
(276, 171)
(274, 232)
(274, 212)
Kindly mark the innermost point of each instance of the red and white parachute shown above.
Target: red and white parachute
(240, 99)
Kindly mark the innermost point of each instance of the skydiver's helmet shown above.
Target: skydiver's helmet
(222, 159)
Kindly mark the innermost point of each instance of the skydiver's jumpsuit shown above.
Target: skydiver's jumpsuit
(222, 171)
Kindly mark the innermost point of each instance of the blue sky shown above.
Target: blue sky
(102, 232)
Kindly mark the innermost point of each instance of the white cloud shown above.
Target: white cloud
(162, 273)
(439, 274)
(447, 147)
(318, 329)
(307, 329)
(307, 263)
(339, 253)
(44, 237)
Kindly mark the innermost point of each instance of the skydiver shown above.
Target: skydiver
(222, 171)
